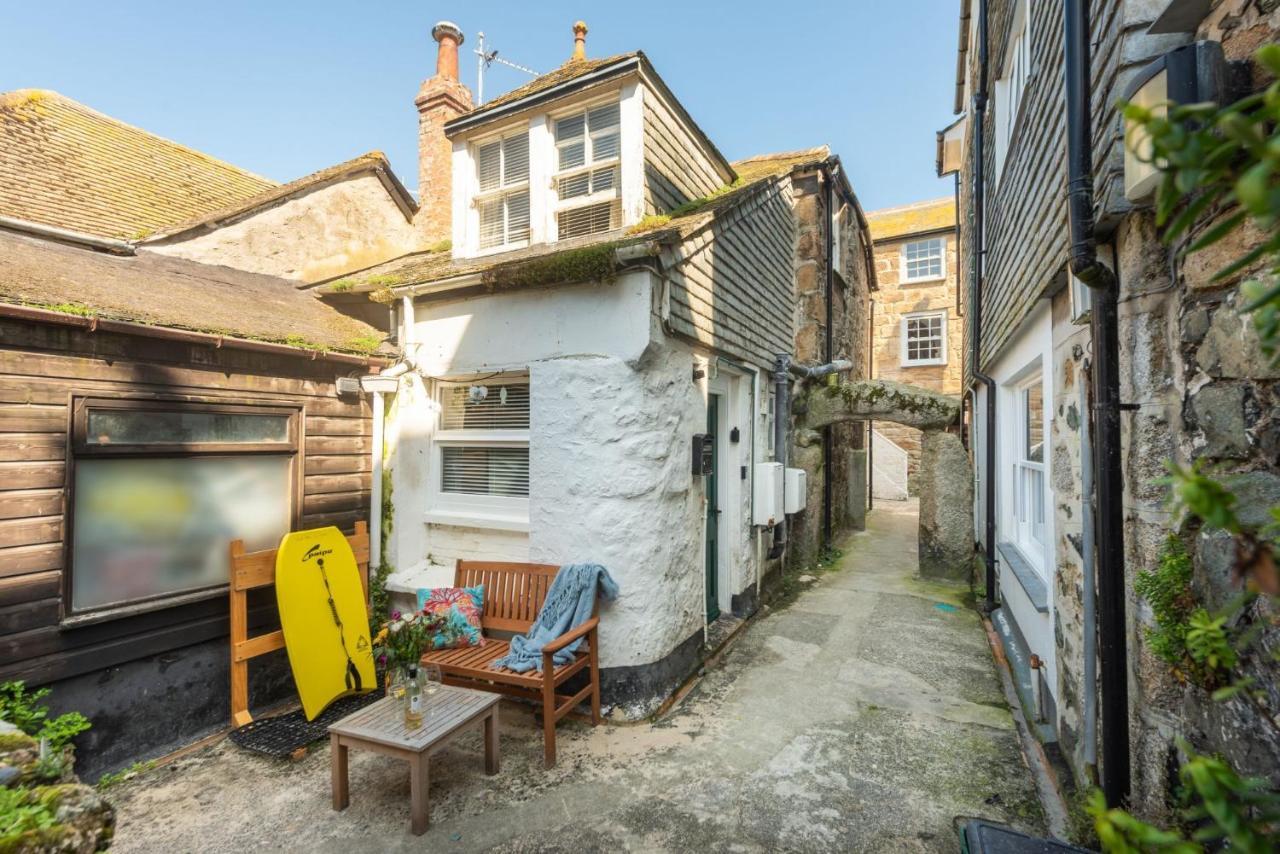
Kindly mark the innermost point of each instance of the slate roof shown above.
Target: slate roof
(157, 290)
(373, 161)
(570, 70)
(419, 268)
(65, 165)
(914, 218)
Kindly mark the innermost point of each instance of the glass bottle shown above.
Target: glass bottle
(413, 700)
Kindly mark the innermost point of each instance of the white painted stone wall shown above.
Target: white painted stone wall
(334, 229)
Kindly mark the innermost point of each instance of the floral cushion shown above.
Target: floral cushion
(455, 612)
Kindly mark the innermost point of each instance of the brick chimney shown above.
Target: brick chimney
(579, 41)
(440, 99)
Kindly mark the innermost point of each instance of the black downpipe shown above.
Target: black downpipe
(828, 355)
(975, 311)
(1108, 483)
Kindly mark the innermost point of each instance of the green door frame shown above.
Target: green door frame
(713, 510)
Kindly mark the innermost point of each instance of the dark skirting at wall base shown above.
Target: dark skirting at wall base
(646, 686)
(155, 705)
(745, 604)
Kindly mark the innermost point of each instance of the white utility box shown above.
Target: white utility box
(767, 495)
(795, 491)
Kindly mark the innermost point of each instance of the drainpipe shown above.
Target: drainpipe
(377, 385)
(1104, 332)
(781, 420)
(975, 312)
(871, 343)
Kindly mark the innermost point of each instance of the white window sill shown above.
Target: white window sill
(933, 364)
(477, 519)
(925, 279)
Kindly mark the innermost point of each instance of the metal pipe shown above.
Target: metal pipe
(975, 312)
(124, 327)
(781, 421)
(809, 372)
(50, 232)
(828, 452)
(1104, 332)
(375, 492)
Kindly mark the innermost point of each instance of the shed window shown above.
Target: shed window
(482, 447)
(924, 259)
(503, 201)
(586, 181)
(924, 339)
(160, 489)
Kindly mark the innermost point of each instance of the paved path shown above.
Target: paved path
(864, 716)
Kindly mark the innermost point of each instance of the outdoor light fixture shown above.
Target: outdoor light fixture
(1186, 75)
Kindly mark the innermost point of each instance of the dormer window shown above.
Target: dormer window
(502, 168)
(586, 180)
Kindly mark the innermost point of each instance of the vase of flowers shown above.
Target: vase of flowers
(400, 643)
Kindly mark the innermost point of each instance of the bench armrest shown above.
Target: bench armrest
(570, 636)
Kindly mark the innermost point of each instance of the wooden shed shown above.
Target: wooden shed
(151, 410)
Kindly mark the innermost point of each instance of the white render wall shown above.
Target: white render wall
(614, 404)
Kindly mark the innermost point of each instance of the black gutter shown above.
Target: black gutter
(975, 311)
(1104, 332)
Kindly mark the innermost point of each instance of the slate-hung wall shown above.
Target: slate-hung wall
(108, 668)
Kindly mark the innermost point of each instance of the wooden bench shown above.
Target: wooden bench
(513, 596)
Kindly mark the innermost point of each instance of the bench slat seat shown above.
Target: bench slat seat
(513, 597)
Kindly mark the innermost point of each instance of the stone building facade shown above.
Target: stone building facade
(917, 332)
(1194, 385)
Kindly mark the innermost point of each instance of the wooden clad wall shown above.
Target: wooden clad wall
(733, 281)
(1027, 231)
(676, 169)
(41, 369)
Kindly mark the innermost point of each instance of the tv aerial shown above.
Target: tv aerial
(487, 58)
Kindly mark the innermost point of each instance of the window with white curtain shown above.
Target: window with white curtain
(482, 447)
(587, 178)
(502, 172)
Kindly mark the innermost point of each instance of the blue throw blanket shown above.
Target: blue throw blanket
(569, 604)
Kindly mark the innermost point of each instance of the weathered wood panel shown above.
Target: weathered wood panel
(676, 168)
(42, 369)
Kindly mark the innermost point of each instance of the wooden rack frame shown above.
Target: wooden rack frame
(250, 570)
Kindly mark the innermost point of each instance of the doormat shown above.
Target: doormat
(281, 735)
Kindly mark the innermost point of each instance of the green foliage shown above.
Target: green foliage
(1222, 164)
(76, 308)
(1194, 493)
(1217, 805)
(24, 710)
(364, 343)
(588, 264)
(21, 812)
(106, 781)
(1209, 645)
(440, 246)
(341, 286)
(1167, 588)
(379, 598)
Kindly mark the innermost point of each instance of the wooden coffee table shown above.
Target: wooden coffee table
(380, 727)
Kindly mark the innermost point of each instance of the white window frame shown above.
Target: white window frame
(905, 325)
(1012, 84)
(837, 239)
(477, 196)
(477, 511)
(613, 195)
(1029, 498)
(941, 240)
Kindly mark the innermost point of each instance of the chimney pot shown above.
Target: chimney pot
(580, 40)
(448, 35)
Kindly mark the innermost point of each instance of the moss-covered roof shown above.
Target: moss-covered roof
(373, 161)
(157, 290)
(65, 165)
(420, 268)
(915, 218)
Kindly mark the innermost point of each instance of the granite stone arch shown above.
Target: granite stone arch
(945, 482)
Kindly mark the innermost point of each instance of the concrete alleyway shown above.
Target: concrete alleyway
(863, 716)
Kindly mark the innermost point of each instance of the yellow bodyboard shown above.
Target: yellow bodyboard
(324, 617)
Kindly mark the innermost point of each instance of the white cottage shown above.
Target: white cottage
(602, 286)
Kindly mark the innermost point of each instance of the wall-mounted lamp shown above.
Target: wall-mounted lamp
(1186, 75)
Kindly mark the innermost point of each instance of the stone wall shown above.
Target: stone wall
(324, 232)
(850, 310)
(893, 300)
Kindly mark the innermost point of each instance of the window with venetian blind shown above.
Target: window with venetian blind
(502, 168)
(587, 180)
(483, 446)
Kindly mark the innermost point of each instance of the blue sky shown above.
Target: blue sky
(286, 88)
